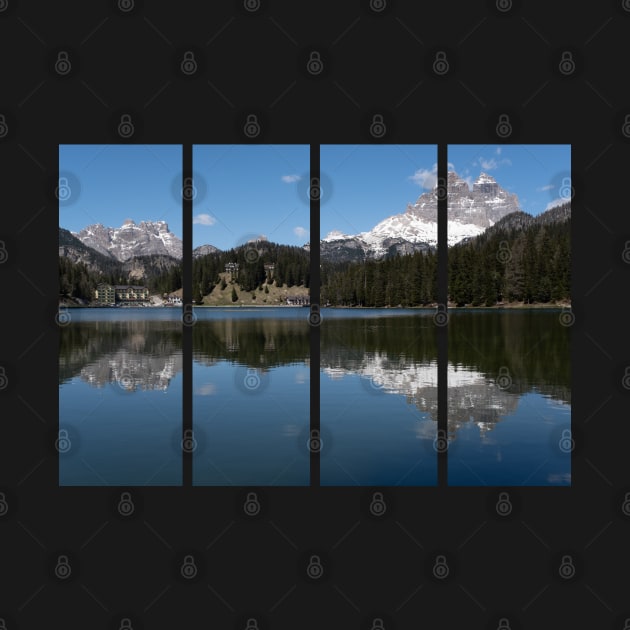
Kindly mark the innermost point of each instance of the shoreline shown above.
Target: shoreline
(430, 307)
(452, 307)
(180, 306)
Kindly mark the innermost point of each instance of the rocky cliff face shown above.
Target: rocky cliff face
(72, 248)
(482, 206)
(146, 238)
(470, 212)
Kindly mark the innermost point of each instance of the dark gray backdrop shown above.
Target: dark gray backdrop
(504, 59)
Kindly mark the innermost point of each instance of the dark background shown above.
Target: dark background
(377, 59)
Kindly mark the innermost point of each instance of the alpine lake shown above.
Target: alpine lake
(120, 397)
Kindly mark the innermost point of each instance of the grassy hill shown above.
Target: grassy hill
(275, 296)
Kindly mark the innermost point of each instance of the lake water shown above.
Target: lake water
(120, 397)
(509, 397)
(509, 409)
(378, 397)
(251, 397)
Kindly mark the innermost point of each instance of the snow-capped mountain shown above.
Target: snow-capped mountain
(470, 212)
(131, 239)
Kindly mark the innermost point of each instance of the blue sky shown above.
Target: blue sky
(244, 191)
(534, 172)
(364, 184)
(251, 190)
(111, 183)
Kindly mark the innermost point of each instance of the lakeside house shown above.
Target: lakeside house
(298, 300)
(172, 299)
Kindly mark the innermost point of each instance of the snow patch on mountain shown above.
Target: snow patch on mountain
(335, 235)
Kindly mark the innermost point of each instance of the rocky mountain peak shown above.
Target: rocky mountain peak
(482, 206)
(470, 212)
(456, 184)
(131, 239)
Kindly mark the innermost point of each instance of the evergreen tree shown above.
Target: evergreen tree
(514, 271)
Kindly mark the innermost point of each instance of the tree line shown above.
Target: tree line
(520, 259)
(409, 280)
(514, 261)
(290, 268)
(511, 264)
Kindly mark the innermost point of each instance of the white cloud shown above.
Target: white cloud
(556, 202)
(290, 179)
(425, 178)
(204, 219)
(543, 188)
(300, 231)
(492, 163)
(498, 151)
(487, 165)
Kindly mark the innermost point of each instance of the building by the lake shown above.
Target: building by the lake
(298, 300)
(170, 299)
(120, 293)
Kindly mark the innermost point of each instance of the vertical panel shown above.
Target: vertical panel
(251, 336)
(378, 334)
(509, 342)
(120, 355)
